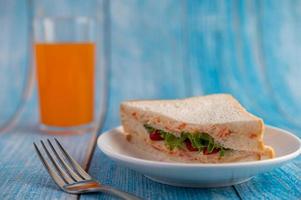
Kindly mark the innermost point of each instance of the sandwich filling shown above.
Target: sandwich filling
(201, 142)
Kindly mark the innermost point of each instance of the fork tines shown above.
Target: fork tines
(59, 164)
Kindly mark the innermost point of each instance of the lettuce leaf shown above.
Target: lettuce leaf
(148, 128)
(222, 152)
(172, 141)
(198, 140)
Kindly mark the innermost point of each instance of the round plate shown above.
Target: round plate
(114, 144)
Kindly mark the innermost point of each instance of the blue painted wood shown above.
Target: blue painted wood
(236, 51)
(169, 49)
(13, 56)
(131, 181)
(146, 55)
(280, 44)
(282, 183)
(253, 79)
(23, 176)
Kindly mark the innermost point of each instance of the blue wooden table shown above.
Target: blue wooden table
(165, 49)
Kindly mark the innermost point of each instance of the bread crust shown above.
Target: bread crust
(245, 133)
(139, 138)
(241, 132)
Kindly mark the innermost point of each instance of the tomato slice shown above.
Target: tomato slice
(155, 135)
(205, 151)
(189, 146)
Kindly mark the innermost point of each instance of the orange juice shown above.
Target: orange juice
(65, 73)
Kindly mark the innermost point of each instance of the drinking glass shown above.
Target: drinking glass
(69, 72)
(65, 63)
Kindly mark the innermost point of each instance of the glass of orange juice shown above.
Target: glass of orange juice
(67, 72)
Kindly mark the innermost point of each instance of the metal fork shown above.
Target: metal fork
(69, 175)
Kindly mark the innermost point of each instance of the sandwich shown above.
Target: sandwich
(205, 129)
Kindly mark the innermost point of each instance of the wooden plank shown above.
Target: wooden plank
(281, 183)
(157, 51)
(23, 175)
(128, 180)
(148, 61)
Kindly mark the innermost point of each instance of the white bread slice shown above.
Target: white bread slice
(137, 135)
(219, 115)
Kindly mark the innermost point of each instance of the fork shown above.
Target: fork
(69, 175)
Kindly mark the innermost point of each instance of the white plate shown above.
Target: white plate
(115, 146)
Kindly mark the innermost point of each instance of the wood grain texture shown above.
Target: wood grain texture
(170, 49)
(120, 177)
(23, 175)
(281, 183)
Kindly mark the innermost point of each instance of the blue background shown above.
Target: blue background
(175, 49)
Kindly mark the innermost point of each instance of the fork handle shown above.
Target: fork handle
(118, 193)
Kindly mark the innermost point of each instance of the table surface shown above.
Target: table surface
(197, 48)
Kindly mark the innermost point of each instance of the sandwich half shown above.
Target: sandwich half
(205, 129)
